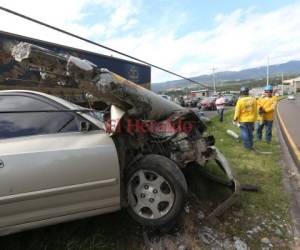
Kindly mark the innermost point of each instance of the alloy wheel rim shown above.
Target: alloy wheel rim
(150, 195)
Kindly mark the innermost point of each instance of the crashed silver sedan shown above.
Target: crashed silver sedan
(61, 162)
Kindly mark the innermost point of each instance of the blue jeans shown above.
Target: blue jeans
(247, 129)
(259, 130)
(221, 114)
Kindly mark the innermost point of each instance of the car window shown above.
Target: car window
(22, 103)
(32, 123)
(15, 125)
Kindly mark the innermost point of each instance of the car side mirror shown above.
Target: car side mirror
(84, 126)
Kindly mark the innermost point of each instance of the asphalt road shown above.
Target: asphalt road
(289, 116)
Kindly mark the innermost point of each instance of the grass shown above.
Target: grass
(253, 167)
(271, 203)
(267, 209)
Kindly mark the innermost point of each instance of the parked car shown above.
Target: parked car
(208, 103)
(188, 102)
(167, 97)
(230, 100)
(193, 102)
(291, 97)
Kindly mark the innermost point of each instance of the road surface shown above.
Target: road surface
(288, 114)
(289, 119)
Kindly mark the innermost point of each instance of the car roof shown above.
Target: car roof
(54, 98)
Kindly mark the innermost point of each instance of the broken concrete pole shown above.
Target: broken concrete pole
(232, 134)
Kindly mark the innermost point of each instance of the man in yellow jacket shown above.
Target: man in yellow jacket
(246, 114)
(266, 106)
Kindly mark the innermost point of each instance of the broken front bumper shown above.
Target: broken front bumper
(231, 183)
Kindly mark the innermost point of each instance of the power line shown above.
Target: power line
(97, 44)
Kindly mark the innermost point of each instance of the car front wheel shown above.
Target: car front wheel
(156, 191)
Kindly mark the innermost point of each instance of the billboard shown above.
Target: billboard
(14, 75)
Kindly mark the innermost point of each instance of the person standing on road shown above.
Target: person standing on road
(246, 114)
(266, 106)
(220, 104)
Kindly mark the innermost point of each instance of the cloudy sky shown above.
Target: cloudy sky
(188, 37)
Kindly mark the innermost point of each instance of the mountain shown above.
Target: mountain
(292, 67)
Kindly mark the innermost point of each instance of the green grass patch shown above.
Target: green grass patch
(252, 167)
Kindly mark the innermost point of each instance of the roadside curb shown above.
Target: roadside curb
(291, 182)
(293, 149)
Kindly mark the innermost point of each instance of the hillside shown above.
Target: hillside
(290, 68)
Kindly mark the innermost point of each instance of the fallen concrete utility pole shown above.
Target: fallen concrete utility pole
(135, 102)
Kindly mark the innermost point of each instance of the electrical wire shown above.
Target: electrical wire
(98, 44)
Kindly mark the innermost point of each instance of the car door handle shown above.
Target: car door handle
(1, 164)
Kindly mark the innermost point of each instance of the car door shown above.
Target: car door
(48, 168)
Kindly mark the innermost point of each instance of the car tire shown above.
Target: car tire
(156, 191)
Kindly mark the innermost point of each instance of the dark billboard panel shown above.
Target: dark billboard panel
(15, 75)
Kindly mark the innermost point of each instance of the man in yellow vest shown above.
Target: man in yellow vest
(245, 114)
(266, 107)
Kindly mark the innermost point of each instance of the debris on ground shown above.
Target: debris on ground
(200, 215)
(239, 244)
(187, 209)
(265, 240)
(194, 232)
(232, 134)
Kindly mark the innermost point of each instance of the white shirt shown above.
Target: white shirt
(220, 103)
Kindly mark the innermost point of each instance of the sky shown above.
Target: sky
(188, 37)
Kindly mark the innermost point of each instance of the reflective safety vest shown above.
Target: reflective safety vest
(268, 104)
(246, 109)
